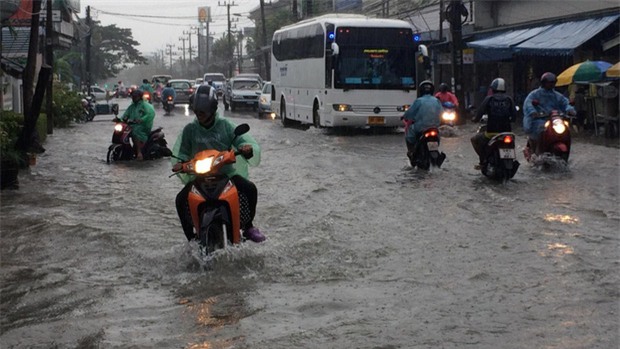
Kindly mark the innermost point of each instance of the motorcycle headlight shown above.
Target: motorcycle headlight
(203, 165)
(558, 126)
(118, 128)
(449, 116)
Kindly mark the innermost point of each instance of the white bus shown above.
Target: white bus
(344, 71)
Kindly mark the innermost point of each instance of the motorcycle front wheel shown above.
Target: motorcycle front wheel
(213, 237)
(114, 153)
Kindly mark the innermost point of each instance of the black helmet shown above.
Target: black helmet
(145, 81)
(426, 88)
(137, 94)
(498, 85)
(443, 87)
(548, 77)
(205, 100)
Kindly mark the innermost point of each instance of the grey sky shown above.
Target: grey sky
(154, 33)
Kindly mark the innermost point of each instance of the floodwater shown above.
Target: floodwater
(362, 251)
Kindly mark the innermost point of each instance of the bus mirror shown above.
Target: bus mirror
(335, 49)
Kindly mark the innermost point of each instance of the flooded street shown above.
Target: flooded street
(362, 251)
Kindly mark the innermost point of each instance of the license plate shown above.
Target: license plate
(507, 153)
(433, 146)
(249, 102)
(376, 120)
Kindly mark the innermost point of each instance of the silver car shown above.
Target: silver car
(264, 101)
(242, 92)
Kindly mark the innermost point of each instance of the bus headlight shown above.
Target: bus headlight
(342, 107)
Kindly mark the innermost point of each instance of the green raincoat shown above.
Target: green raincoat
(141, 111)
(195, 138)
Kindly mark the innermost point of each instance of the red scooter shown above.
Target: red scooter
(122, 148)
(555, 139)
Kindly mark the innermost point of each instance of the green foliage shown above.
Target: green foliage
(113, 49)
(67, 106)
(11, 124)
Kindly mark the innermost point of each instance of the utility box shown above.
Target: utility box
(103, 109)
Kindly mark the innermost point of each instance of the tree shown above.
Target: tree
(220, 53)
(113, 49)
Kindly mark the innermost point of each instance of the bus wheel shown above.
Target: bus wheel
(316, 118)
(285, 122)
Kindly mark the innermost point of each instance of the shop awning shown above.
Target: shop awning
(563, 38)
(551, 39)
(508, 39)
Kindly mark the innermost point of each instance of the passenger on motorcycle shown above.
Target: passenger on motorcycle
(548, 100)
(445, 95)
(424, 113)
(500, 111)
(168, 91)
(142, 114)
(146, 86)
(210, 130)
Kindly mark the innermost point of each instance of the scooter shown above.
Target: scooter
(88, 109)
(555, 139)
(426, 152)
(500, 155)
(448, 116)
(168, 104)
(121, 148)
(214, 199)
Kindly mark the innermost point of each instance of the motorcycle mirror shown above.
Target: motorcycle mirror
(241, 129)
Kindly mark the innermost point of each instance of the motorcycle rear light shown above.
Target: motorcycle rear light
(432, 133)
(170, 98)
(508, 139)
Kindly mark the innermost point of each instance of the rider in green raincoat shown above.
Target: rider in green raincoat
(212, 131)
(142, 114)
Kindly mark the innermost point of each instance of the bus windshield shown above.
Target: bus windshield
(375, 58)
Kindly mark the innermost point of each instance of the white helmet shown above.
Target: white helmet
(498, 85)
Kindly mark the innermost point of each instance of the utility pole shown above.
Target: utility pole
(230, 46)
(88, 39)
(454, 11)
(264, 43)
(183, 49)
(169, 48)
(240, 49)
(49, 60)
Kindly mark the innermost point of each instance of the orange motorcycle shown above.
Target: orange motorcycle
(214, 199)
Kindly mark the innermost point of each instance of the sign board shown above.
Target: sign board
(204, 14)
(468, 56)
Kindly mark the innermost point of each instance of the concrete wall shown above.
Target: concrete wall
(489, 14)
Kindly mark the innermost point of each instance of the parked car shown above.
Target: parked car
(197, 83)
(99, 93)
(183, 89)
(218, 80)
(242, 91)
(264, 101)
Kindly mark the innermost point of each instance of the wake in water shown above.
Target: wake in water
(549, 162)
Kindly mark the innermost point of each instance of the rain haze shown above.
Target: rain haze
(156, 23)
